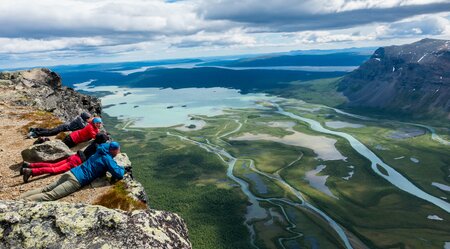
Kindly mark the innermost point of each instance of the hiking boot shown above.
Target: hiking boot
(27, 173)
(41, 140)
(24, 166)
(31, 134)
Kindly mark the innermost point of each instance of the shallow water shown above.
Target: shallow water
(254, 210)
(322, 146)
(441, 186)
(434, 217)
(392, 176)
(341, 124)
(156, 107)
(318, 182)
(256, 179)
(290, 68)
(349, 176)
(280, 124)
(407, 133)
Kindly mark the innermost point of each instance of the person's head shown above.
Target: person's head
(101, 138)
(85, 116)
(114, 148)
(97, 122)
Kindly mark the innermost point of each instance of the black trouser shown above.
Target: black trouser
(69, 142)
(42, 132)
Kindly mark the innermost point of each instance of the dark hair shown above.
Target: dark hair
(85, 116)
(101, 138)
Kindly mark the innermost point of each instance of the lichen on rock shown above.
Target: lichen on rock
(64, 225)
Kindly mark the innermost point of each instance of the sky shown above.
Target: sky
(60, 32)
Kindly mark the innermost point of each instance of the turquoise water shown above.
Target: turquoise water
(157, 107)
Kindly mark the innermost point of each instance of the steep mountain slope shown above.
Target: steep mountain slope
(412, 79)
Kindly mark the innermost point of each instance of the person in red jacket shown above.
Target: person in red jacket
(42, 168)
(87, 133)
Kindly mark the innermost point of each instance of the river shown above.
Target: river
(393, 176)
(254, 210)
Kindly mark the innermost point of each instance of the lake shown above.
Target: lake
(165, 107)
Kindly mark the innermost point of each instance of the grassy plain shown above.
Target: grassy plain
(181, 177)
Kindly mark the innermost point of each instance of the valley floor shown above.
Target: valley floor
(264, 178)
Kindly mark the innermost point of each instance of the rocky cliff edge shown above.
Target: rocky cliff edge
(78, 224)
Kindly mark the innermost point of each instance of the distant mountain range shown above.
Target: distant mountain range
(409, 79)
(331, 59)
(412, 78)
(119, 65)
(249, 80)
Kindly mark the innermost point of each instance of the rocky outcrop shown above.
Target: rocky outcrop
(42, 88)
(412, 79)
(64, 225)
(49, 151)
(134, 188)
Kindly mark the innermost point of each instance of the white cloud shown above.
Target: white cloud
(21, 45)
(311, 37)
(294, 15)
(347, 5)
(416, 26)
(62, 30)
(229, 38)
(72, 17)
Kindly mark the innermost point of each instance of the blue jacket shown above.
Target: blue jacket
(97, 165)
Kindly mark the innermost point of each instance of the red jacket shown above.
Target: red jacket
(74, 160)
(85, 134)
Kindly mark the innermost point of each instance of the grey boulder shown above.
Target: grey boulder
(49, 151)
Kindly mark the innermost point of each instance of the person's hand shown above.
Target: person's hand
(128, 169)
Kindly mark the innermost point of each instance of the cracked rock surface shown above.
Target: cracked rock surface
(65, 225)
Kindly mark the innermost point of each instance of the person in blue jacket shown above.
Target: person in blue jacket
(96, 166)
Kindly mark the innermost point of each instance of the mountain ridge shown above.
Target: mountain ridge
(410, 79)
